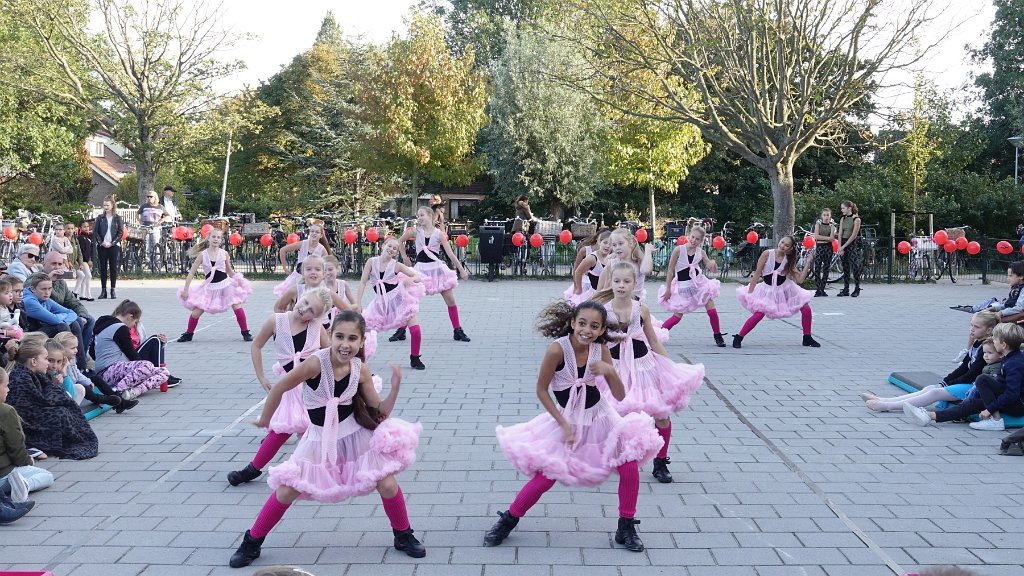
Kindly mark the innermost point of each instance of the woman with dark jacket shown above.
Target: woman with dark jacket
(52, 421)
(106, 235)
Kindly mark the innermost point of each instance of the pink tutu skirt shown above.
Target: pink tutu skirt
(437, 277)
(689, 295)
(656, 385)
(370, 345)
(604, 442)
(394, 309)
(775, 301)
(291, 416)
(216, 298)
(365, 457)
(290, 281)
(585, 293)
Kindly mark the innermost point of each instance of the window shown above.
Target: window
(96, 148)
(460, 209)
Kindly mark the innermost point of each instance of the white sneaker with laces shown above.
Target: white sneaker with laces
(19, 487)
(917, 415)
(993, 424)
(129, 394)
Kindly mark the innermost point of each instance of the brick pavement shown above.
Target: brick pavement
(779, 469)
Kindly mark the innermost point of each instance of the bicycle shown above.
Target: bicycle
(922, 258)
(951, 263)
(750, 252)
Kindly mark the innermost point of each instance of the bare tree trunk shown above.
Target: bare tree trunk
(147, 177)
(654, 220)
(781, 178)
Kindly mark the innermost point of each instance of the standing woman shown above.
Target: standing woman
(315, 244)
(437, 205)
(107, 237)
(438, 278)
(824, 232)
(81, 259)
(850, 248)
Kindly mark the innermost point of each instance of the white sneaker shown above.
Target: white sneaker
(960, 357)
(19, 487)
(993, 424)
(129, 394)
(865, 396)
(917, 415)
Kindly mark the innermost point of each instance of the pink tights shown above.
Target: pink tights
(415, 338)
(805, 321)
(629, 490)
(268, 449)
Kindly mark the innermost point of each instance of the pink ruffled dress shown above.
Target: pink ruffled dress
(640, 294)
(293, 278)
(341, 459)
(604, 440)
(370, 343)
(437, 276)
(777, 296)
(394, 303)
(588, 283)
(691, 289)
(218, 292)
(654, 383)
(291, 416)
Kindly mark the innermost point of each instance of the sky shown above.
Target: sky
(282, 33)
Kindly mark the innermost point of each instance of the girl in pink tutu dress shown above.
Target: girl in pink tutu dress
(397, 291)
(687, 288)
(779, 295)
(625, 248)
(336, 286)
(654, 384)
(223, 288)
(351, 447)
(587, 273)
(297, 335)
(315, 239)
(438, 278)
(580, 439)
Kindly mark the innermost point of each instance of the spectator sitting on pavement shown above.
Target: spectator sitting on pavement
(96, 388)
(27, 263)
(57, 369)
(17, 470)
(62, 294)
(151, 348)
(48, 316)
(117, 360)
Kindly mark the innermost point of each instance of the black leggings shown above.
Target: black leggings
(852, 261)
(989, 388)
(821, 263)
(152, 350)
(108, 257)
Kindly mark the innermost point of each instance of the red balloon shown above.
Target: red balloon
(536, 240)
(518, 239)
(973, 248)
(718, 242)
(10, 233)
(808, 242)
(190, 232)
(903, 247)
(949, 246)
(292, 238)
(350, 236)
(124, 235)
(266, 240)
(682, 240)
(462, 240)
(176, 233)
(1004, 247)
(641, 235)
(205, 230)
(37, 238)
(372, 235)
(835, 245)
(235, 239)
(752, 237)
(961, 243)
(941, 237)
(565, 236)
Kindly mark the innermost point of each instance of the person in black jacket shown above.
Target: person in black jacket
(954, 386)
(107, 238)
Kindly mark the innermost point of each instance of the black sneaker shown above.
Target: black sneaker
(398, 335)
(720, 340)
(626, 535)
(246, 336)
(737, 341)
(406, 542)
(660, 472)
(460, 336)
(844, 292)
(247, 474)
(855, 293)
(416, 364)
(810, 341)
(501, 529)
(185, 337)
(173, 381)
(248, 551)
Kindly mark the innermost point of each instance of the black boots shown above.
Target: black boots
(502, 528)
(660, 472)
(125, 405)
(247, 474)
(819, 293)
(185, 337)
(844, 292)
(627, 536)
(460, 336)
(415, 362)
(737, 341)
(113, 293)
(248, 551)
(810, 341)
(406, 542)
(103, 294)
(398, 335)
(720, 340)
(856, 292)
(246, 336)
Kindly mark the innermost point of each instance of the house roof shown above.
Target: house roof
(110, 166)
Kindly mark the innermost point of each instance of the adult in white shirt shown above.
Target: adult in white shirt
(169, 205)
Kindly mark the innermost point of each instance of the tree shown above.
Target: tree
(773, 77)
(425, 106)
(1003, 87)
(544, 139)
(148, 73)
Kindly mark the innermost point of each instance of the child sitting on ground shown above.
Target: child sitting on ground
(1012, 304)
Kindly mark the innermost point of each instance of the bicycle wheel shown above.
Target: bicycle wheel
(954, 267)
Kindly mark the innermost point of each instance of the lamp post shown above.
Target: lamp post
(1017, 142)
